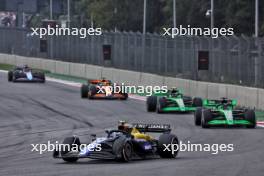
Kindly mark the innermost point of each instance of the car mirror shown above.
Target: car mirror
(93, 137)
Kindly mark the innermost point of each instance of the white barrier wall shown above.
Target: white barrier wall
(48, 65)
(246, 96)
(92, 71)
(148, 79)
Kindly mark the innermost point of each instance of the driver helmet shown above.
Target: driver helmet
(105, 82)
(174, 91)
(224, 101)
(124, 126)
(26, 68)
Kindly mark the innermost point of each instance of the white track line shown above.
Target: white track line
(132, 96)
(260, 125)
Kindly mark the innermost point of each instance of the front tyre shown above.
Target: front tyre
(151, 103)
(71, 142)
(161, 105)
(198, 116)
(10, 76)
(84, 91)
(172, 141)
(127, 151)
(206, 117)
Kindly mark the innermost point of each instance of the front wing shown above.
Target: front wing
(110, 97)
(178, 109)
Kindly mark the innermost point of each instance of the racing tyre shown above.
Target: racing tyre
(92, 91)
(84, 91)
(123, 149)
(165, 140)
(127, 151)
(10, 76)
(151, 103)
(197, 102)
(14, 78)
(206, 117)
(43, 77)
(251, 117)
(125, 96)
(70, 141)
(198, 116)
(40, 76)
(161, 104)
(56, 153)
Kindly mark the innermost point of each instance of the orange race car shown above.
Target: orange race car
(101, 89)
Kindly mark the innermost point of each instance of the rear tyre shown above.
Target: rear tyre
(40, 76)
(197, 102)
(43, 77)
(165, 140)
(151, 103)
(84, 91)
(72, 142)
(10, 76)
(92, 91)
(251, 117)
(206, 117)
(198, 116)
(125, 96)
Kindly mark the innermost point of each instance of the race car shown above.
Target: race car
(127, 142)
(173, 101)
(25, 74)
(101, 89)
(224, 112)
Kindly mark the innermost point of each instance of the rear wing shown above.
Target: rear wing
(97, 81)
(217, 102)
(154, 128)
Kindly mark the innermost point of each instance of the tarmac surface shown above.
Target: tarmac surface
(35, 113)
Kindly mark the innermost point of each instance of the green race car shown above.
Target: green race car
(224, 112)
(172, 101)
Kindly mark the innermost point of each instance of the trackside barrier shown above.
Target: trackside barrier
(246, 96)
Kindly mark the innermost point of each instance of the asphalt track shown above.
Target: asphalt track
(36, 113)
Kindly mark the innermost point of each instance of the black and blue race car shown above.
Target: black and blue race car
(129, 141)
(25, 74)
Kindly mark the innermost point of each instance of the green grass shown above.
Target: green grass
(6, 67)
(67, 78)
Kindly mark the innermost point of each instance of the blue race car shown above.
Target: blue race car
(129, 141)
(25, 74)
